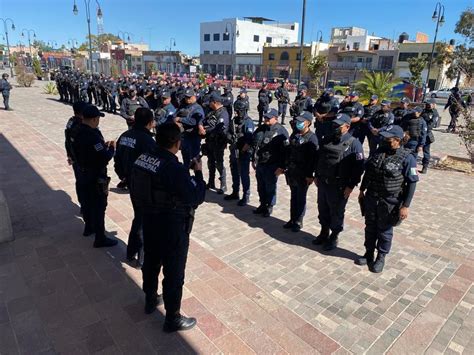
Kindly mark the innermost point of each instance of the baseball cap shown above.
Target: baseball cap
(430, 101)
(166, 93)
(405, 100)
(305, 116)
(341, 119)
(303, 87)
(393, 131)
(243, 90)
(418, 109)
(270, 113)
(329, 91)
(79, 106)
(92, 111)
(215, 97)
(374, 97)
(189, 92)
(354, 93)
(386, 103)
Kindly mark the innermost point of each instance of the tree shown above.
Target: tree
(465, 25)
(42, 46)
(37, 67)
(98, 41)
(317, 68)
(377, 83)
(23, 78)
(416, 65)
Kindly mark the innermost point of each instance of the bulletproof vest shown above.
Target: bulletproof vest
(212, 120)
(264, 153)
(430, 118)
(414, 127)
(298, 106)
(379, 119)
(296, 158)
(369, 110)
(133, 106)
(263, 97)
(188, 112)
(331, 155)
(384, 173)
(147, 189)
(240, 108)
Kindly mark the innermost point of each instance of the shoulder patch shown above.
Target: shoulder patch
(413, 172)
(98, 147)
(359, 156)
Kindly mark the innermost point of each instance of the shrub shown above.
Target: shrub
(50, 89)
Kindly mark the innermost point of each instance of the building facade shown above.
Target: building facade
(164, 61)
(339, 34)
(221, 42)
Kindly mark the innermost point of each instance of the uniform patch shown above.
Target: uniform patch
(413, 172)
(98, 147)
(359, 156)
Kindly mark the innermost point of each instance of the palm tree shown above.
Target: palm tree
(377, 83)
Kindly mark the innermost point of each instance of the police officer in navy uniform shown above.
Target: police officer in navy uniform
(415, 130)
(455, 104)
(302, 102)
(299, 166)
(72, 127)
(5, 88)
(216, 125)
(324, 112)
(401, 111)
(357, 130)
(242, 99)
(385, 195)
(339, 169)
(165, 111)
(130, 145)
(168, 195)
(190, 117)
(265, 97)
(283, 97)
(431, 117)
(270, 141)
(369, 110)
(130, 104)
(228, 100)
(93, 155)
(379, 121)
(241, 131)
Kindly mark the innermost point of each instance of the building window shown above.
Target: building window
(271, 56)
(225, 36)
(428, 54)
(292, 27)
(385, 63)
(207, 37)
(286, 41)
(217, 36)
(356, 46)
(284, 56)
(207, 52)
(225, 52)
(404, 56)
(215, 52)
(205, 68)
(269, 40)
(256, 38)
(298, 56)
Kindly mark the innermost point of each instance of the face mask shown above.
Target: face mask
(337, 133)
(299, 126)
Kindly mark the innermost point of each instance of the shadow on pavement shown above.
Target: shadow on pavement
(273, 227)
(72, 298)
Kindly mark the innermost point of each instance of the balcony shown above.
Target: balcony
(350, 65)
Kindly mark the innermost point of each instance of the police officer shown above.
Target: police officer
(339, 170)
(216, 125)
(379, 122)
(431, 117)
(241, 132)
(93, 155)
(190, 117)
(70, 133)
(165, 111)
(130, 104)
(131, 144)
(283, 97)
(415, 128)
(163, 188)
(242, 98)
(327, 97)
(270, 141)
(265, 97)
(455, 104)
(386, 192)
(112, 92)
(302, 102)
(5, 88)
(369, 110)
(299, 166)
(400, 111)
(228, 100)
(357, 128)
(324, 112)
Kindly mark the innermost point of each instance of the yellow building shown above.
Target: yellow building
(408, 50)
(282, 61)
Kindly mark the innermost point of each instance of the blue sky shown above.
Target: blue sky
(159, 20)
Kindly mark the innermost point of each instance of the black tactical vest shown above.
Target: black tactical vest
(296, 158)
(133, 106)
(384, 173)
(330, 156)
(414, 128)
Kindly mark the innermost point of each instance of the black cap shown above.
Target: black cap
(165, 93)
(354, 93)
(189, 92)
(418, 109)
(215, 97)
(405, 100)
(270, 113)
(91, 111)
(305, 116)
(393, 131)
(243, 90)
(386, 103)
(79, 106)
(341, 119)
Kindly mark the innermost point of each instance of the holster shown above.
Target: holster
(102, 186)
(190, 221)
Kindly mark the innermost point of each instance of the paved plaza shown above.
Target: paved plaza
(253, 286)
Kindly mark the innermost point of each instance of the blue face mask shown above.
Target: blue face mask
(299, 126)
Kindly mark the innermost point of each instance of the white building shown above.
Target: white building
(222, 41)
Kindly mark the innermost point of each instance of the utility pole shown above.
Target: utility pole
(300, 66)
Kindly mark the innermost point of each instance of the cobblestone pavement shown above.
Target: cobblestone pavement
(254, 287)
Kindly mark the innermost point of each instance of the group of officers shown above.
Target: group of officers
(324, 146)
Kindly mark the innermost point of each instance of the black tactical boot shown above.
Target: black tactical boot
(424, 170)
(367, 259)
(288, 225)
(233, 196)
(297, 227)
(223, 187)
(377, 267)
(152, 302)
(178, 322)
(331, 242)
(259, 210)
(87, 231)
(322, 237)
(268, 211)
(104, 242)
(211, 185)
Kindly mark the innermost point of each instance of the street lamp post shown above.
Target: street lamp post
(87, 4)
(72, 42)
(29, 39)
(320, 33)
(235, 32)
(300, 65)
(125, 35)
(438, 16)
(5, 27)
(172, 42)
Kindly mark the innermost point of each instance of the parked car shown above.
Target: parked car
(441, 93)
